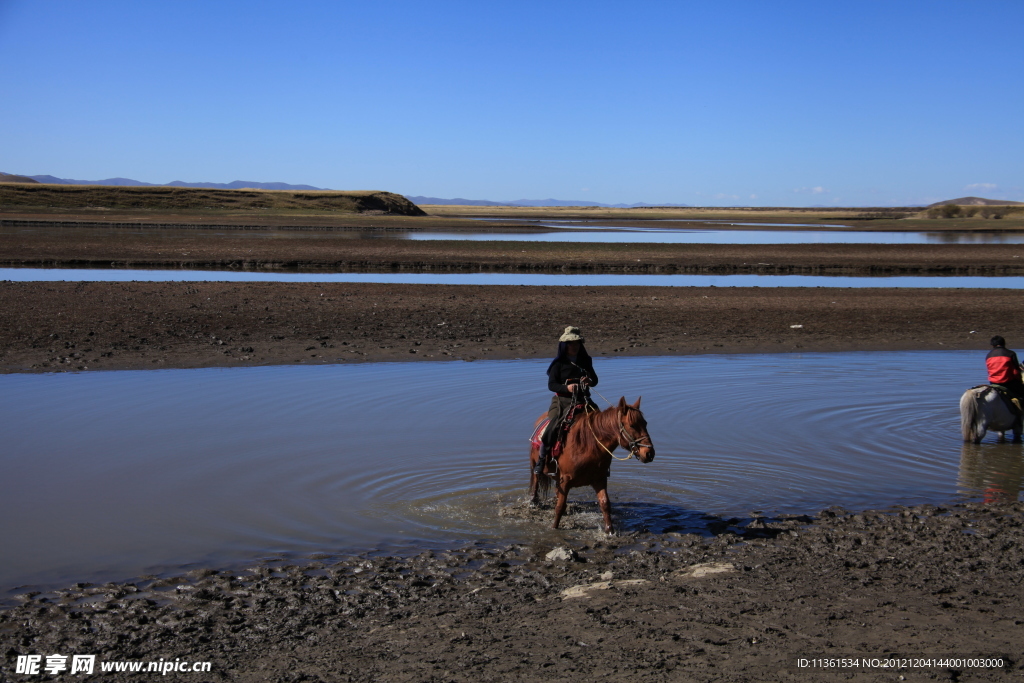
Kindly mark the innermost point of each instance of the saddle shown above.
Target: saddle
(563, 430)
(1013, 403)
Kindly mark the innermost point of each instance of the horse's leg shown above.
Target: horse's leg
(534, 479)
(562, 497)
(981, 426)
(601, 490)
(1017, 430)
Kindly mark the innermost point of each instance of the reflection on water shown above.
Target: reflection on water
(573, 231)
(743, 233)
(533, 279)
(993, 472)
(109, 473)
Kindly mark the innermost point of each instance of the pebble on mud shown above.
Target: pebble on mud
(562, 554)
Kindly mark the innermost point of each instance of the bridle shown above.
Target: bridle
(634, 445)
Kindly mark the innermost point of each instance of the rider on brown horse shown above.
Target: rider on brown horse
(570, 376)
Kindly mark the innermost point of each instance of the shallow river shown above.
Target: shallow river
(588, 280)
(112, 474)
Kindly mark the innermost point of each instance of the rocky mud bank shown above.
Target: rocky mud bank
(60, 326)
(744, 603)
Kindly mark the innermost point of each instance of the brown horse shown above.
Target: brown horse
(586, 456)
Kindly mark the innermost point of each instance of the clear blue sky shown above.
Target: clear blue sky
(745, 102)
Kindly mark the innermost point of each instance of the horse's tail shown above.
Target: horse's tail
(543, 480)
(543, 485)
(969, 415)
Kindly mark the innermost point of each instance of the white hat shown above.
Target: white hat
(571, 334)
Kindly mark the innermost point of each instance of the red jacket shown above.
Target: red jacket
(1003, 366)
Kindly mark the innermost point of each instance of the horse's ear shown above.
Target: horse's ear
(622, 404)
(637, 404)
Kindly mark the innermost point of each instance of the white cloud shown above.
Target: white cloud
(811, 190)
(981, 186)
(753, 196)
(722, 195)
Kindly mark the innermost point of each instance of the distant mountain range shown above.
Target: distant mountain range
(526, 202)
(241, 184)
(128, 182)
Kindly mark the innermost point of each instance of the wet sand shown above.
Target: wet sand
(911, 587)
(54, 326)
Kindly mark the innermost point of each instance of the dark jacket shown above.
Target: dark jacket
(563, 372)
(1003, 366)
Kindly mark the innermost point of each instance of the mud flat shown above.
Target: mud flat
(52, 326)
(933, 591)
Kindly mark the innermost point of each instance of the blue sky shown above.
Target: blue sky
(705, 103)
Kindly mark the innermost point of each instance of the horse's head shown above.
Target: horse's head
(633, 431)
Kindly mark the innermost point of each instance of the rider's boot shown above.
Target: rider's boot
(542, 459)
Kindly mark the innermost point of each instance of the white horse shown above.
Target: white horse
(983, 409)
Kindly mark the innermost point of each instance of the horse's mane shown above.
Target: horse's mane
(604, 423)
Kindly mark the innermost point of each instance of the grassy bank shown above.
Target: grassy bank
(72, 197)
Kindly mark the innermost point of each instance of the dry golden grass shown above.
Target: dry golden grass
(714, 213)
(861, 218)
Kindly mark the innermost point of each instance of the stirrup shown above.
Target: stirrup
(554, 469)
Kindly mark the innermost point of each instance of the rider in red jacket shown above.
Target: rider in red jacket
(1004, 368)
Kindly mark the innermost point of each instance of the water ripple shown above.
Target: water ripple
(124, 470)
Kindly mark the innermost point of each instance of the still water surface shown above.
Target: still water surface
(747, 236)
(708, 232)
(110, 474)
(533, 279)
(735, 233)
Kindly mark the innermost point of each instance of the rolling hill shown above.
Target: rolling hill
(975, 201)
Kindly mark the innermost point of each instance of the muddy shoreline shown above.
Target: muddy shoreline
(745, 603)
(61, 326)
